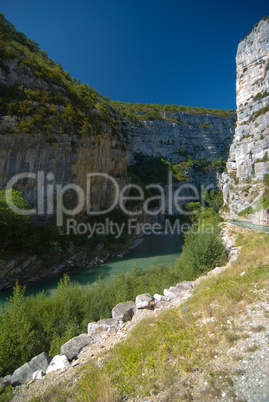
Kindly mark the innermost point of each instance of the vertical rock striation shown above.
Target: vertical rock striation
(248, 160)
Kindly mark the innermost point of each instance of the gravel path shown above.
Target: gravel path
(253, 383)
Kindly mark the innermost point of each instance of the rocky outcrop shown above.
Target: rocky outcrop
(179, 289)
(98, 330)
(180, 135)
(58, 131)
(249, 154)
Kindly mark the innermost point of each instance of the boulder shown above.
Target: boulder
(124, 311)
(159, 298)
(171, 292)
(59, 362)
(97, 330)
(144, 301)
(72, 348)
(24, 373)
(178, 290)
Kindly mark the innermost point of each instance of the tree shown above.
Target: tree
(12, 225)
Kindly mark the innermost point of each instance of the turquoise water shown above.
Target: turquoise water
(154, 250)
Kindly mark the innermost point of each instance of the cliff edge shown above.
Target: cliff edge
(245, 186)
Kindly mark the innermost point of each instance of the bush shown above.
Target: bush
(33, 324)
(203, 248)
(246, 211)
(214, 199)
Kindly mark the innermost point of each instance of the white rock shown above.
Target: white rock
(37, 375)
(159, 298)
(170, 293)
(144, 300)
(59, 362)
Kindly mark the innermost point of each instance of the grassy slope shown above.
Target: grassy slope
(177, 343)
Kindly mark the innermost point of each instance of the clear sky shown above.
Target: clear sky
(150, 51)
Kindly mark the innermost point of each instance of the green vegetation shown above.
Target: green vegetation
(13, 227)
(214, 199)
(55, 103)
(246, 211)
(260, 112)
(136, 112)
(162, 352)
(149, 170)
(180, 169)
(261, 95)
(30, 325)
(263, 203)
(18, 233)
(265, 157)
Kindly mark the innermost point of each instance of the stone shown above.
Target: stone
(59, 362)
(24, 373)
(171, 292)
(72, 348)
(159, 298)
(184, 309)
(185, 285)
(97, 329)
(37, 375)
(144, 300)
(26, 264)
(124, 311)
(178, 290)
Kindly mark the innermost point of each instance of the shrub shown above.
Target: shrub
(203, 248)
(246, 211)
(33, 324)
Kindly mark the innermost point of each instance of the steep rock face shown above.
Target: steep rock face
(69, 155)
(248, 159)
(69, 158)
(180, 134)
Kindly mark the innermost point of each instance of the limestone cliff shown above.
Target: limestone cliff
(179, 134)
(69, 158)
(248, 159)
(52, 123)
(182, 135)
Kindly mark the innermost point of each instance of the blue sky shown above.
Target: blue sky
(150, 51)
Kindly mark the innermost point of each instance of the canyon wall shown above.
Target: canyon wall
(69, 155)
(248, 161)
(69, 158)
(179, 135)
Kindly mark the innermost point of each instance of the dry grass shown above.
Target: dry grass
(166, 350)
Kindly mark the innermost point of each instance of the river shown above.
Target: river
(152, 251)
